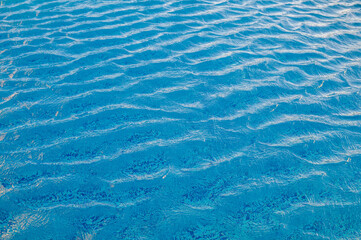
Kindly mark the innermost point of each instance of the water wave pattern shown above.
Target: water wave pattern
(203, 119)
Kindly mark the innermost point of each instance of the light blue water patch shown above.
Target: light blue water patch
(172, 119)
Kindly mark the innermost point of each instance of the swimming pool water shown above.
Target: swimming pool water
(203, 119)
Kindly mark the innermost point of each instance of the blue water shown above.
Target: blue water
(164, 119)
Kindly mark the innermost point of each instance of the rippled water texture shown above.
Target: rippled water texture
(166, 119)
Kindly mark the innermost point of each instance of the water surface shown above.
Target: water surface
(170, 119)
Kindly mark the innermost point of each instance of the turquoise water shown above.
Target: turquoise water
(180, 119)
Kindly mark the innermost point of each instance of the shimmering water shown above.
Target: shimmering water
(170, 119)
